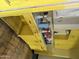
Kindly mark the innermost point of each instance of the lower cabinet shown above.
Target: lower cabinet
(30, 38)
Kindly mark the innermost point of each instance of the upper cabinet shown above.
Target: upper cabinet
(33, 3)
(18, 7)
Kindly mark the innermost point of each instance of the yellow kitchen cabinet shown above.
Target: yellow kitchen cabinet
(67, 43)
(63, 47)
(30, 28)
(14, 22)
(26, 27)
(33, 3)
(30, 38)
(19, 7)
(30, 33)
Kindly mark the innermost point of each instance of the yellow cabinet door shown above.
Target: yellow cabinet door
(35, 5)
(30, 38)
(29, 31)
(25, 27)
